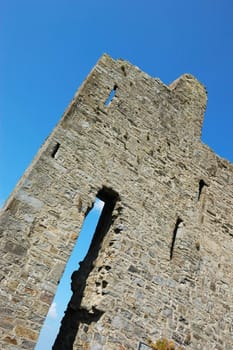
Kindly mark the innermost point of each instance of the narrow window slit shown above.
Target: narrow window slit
(202, 185)
(178, 226)
(111, 96)
(55, 150)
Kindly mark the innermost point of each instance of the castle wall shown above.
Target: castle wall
(163, 254)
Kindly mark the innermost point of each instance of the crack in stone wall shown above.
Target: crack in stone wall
(75, 313)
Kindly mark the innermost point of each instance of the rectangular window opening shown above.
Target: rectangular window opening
(55, 150)
(111, 96)
(202, 186)
(178, 225)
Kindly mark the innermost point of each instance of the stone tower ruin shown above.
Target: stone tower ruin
(160, 263)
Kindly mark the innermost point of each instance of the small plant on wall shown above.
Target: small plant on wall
(163, 344)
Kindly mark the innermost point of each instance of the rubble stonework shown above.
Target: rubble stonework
(160, 264)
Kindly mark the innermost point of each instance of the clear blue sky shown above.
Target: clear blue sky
(49, 46)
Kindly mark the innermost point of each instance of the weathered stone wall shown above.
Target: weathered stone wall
(163, 258)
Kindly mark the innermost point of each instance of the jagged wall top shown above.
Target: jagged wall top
(190, 94)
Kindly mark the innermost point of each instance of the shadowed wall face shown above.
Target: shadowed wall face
(163, 263)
